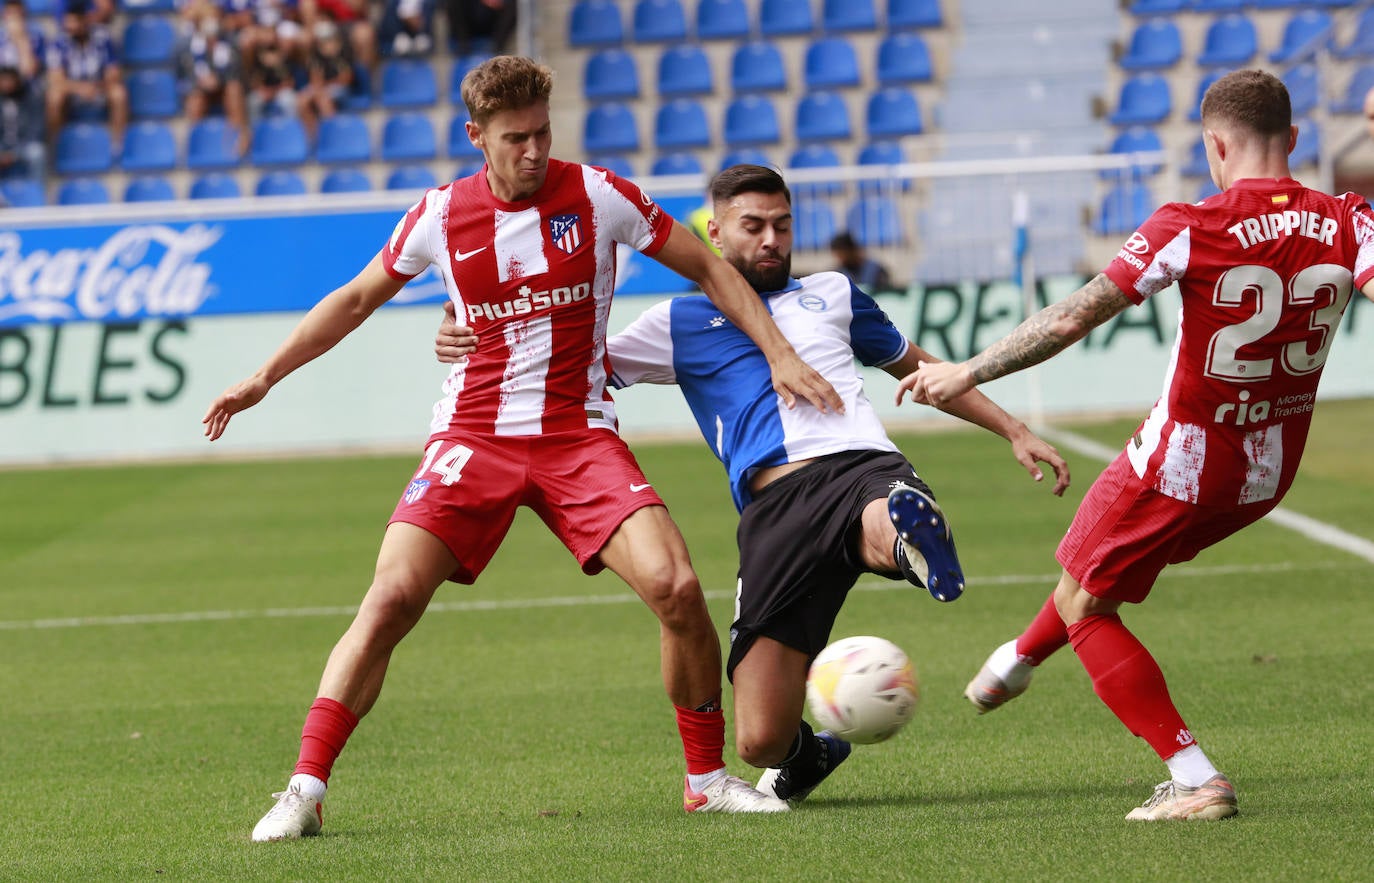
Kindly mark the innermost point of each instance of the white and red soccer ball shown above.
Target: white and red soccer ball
(862, 689)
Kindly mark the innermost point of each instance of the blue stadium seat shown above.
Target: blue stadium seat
(279, 140)
(1358, 86)
(684, 70)
(848, 15)
(141, 7)
(215, 185)
(813, 222)
(211, 144)
(82, 191)
(659, 21)
(83, 148)
(1306, 152)
(911, 15)
(782, 17)
(152, 93)
(822, 116)
(1195, 115)
(681, 123)
(411, 178)
(892, 113)
(1136, 139)
(345, 181)
(830, 63)
(149, 188)
(1196, 163)
(282, 182)
(595, 23)
(460, 146)
(343, 138)
(461, 65)
(874, 221)
(407, 137)
(1142, 8)
(904, 58)
(751, 119)
(1307, 29)
(1155, 45)
(149, 147)
(1144, 98)
(1207, 189)
(359, 97)
(148, 40)
(1231, 41)
(619, 164)
(881, 153)
(610, 128)
(815, 156)
(408, 82)
(22, 193)
(677, 164)
(757, 67)
(1361, 43)
(467, 170)
(1216, 5)
(1303, 89)
(1124, 208)
(746, 156)
(722, 20)
(610, 73)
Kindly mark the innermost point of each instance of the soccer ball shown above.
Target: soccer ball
(862, 689)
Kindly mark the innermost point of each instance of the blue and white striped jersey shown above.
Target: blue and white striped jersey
(725, 378)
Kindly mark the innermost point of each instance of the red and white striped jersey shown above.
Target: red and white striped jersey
(534, 280)
(1265, 270)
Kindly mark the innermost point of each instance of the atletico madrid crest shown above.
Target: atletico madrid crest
(566, 232)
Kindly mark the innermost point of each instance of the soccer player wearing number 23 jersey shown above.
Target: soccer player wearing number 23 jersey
(1265, 269)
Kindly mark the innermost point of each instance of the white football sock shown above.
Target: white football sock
(697, 781)
(309, 786)
(1190, 767)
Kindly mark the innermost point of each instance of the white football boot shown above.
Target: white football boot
(295, 815)
(729, 794)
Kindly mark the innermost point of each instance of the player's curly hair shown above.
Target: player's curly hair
(1252, 99)
(506, 82)
(745, 178)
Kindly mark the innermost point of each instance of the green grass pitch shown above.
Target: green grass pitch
(163, 629)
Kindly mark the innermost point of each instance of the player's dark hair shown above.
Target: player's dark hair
(1252, 99)
(744, 178)
(506, 82)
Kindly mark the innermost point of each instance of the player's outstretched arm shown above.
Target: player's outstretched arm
(453, 342)
(685, 254)
(327, 323)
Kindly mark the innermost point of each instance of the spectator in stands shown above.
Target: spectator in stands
(21, 126)
(331, 77)
(852, 260)
(271, 84)
(84, 74)
(407, 27)
(258, 23)
(102, 11)
(21, 43)
(473, 23)
(211, 69)
(352, 16)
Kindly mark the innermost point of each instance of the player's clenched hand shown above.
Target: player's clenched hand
(238, 397)
(792, 377)
(1029, 449)
(454, 342)
(935, 383)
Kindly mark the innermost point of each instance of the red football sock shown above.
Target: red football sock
(703, 739)
(1044, 635)
(327, 727)
(1127, 678)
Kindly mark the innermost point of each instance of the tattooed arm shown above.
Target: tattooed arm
(1043, 335)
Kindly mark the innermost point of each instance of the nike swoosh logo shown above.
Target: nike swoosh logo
(461, 256)
(636, 488)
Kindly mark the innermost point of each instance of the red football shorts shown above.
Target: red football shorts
(1125, 532)
(583, 484)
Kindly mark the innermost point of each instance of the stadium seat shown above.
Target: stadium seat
(22, 193)
(359, 97)
(149, 188)
(407, 137)
(215, 185)
(1231, 41)
(659, 21)
(782, 17)
(757, 67)
(680, 163)
(411, 178)
(1307, 30)
(82, 149)
(1196, 163)
(904, 58)
(152, 93)
(684, 70)
(467, 170)
(619, 164)
(848, 15)
(874, 221)
(1142, 8)
(1361, 43)
(1356, 88)
(822, 116)
(681, 123)
(892, 113)
(461, 65)
(722, 20)
(595, 23)
(830, 63)
(1206, 189)
(1217, 5)
(345, 181)
(408, 82)
(746, 156)
(881, 153)
(911, 15)
(610, 128)
(1303, 91)
(149, 147)
(279, 140)
(460, 146)
(751, 119)
(1155, 45)
(82, 191)
(1144, 99)
(343, 138)
(813, 222)
(1195, 115)
(211, 144)
(610, 73)
(282, 182)
(148, 40)
(815, 156)
(142, 7)
(1124, 208)
(1307, 151)
(1136, 139)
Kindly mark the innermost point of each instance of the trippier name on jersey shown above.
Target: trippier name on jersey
(1271, 225)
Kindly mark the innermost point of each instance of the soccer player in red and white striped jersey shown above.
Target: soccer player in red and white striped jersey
(1266, 269)
(526, 248)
